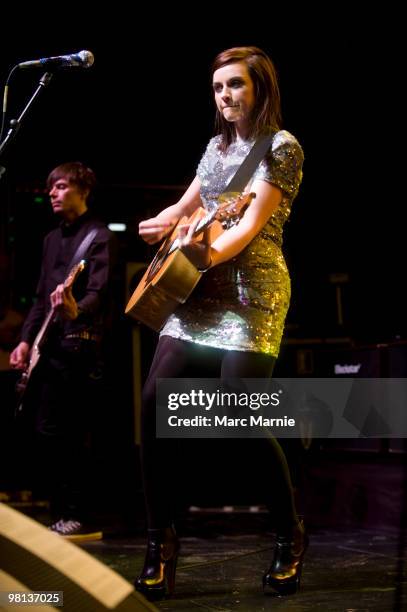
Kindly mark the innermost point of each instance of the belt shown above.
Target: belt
(84, 335)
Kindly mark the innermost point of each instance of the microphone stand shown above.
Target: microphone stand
(15, 124)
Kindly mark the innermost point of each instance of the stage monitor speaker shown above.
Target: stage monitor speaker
(35, 559)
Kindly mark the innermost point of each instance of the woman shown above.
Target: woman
(232, 324)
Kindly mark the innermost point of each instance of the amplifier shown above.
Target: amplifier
(317, 360)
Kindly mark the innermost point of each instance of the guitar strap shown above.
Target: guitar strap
(250, 163)
(82, 248)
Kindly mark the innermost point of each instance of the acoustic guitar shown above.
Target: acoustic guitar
(170, 278)
(41, 337)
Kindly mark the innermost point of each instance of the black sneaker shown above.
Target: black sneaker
(75, 531)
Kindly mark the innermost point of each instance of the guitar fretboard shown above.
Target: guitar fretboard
(204, 222)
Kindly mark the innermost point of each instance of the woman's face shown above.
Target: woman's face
(234, 92)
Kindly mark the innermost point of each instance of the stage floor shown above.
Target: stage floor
(223, 556)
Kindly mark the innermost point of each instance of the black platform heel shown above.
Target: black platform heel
(284, 575)
(158, 575)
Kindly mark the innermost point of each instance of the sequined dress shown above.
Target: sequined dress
(242, 304)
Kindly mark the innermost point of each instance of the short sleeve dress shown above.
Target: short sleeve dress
(242, 304)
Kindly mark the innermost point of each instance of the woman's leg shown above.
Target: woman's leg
(161, 468)
(159, 456)
(284, 575)
(279, 494)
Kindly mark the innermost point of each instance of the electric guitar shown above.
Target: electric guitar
(41, 337)
(170, 278)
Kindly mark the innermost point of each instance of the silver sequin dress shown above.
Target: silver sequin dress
(242, 303)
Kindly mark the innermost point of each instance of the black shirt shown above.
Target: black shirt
(91, 288)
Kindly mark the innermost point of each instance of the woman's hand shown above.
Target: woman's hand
(153, 230)
(198, 252)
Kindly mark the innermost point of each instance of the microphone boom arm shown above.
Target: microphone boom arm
(15, 124)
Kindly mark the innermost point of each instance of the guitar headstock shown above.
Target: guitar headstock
(231, 207)
(74, 273)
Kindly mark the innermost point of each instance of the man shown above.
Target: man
(65, 374)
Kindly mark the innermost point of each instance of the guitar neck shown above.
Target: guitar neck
(42, 334)
(203, 224)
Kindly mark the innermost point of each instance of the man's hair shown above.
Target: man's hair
(75, 173)
(266, 114)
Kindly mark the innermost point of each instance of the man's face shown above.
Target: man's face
(66, 199)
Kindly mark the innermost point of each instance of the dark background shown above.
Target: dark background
(142, 115)
(141, 118)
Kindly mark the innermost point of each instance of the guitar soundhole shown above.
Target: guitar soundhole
(155, 266)
(158, 261)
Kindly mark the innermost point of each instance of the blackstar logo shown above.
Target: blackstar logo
(347, 368)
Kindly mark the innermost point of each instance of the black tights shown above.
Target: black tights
(164, 461)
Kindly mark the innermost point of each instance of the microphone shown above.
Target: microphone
(82, 59)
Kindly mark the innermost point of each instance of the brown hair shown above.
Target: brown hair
(75, 173)
(267, 109)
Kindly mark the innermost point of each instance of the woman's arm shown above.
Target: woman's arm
(234, 240)
(154, 229)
